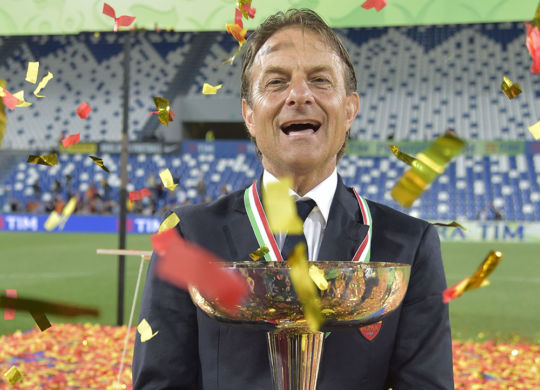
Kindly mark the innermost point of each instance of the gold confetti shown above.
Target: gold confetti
(168, 223)
(99, 162)
(280, 208)
(44, 159)
(52, 221)
(41, 320)
(478, 278)
(42, 84)
(304, 287)
(258, 253)
(317, 275)
(536, 19)
(208, 89)
(145, 330)
(510, 89)
(167, 179)
(32, 72)
(13, 375)
(22, 103)
(451, 224)
(426, 167)
(164, 112)
(535, 130)
(70, 206)
(407, 159)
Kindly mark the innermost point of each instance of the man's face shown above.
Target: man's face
(300, 112)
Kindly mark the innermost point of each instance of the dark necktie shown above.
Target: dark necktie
(304, 207)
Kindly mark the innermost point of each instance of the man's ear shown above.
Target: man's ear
(352, 106)
(247, 114)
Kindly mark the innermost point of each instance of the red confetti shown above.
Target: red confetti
(123, 20)
(533, 44)
(71, 139)
(250, 11)
(377, 4)
(138, 195)
(9, 314)
(238, 18)
(455, 291)
(183, 263)
(237, 32)
(9, 100)
(84, 110)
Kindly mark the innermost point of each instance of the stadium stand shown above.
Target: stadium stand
(468, 188)
(414, 82)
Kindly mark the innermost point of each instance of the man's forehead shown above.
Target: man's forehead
(293, 38)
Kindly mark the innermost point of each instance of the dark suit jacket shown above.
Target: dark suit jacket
(413, 349)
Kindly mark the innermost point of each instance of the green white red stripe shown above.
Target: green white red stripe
(259, 223)
(264, 235)
(363, 252)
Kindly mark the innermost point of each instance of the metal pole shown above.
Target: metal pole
(123, 181)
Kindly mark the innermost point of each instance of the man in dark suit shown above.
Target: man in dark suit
(299, 101)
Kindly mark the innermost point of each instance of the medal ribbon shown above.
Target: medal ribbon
(264, 235)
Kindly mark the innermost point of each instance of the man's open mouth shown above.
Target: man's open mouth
(289, 128)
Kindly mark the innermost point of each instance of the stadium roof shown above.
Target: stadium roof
(33, 17)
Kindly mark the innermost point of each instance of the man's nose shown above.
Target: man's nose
(299, 93)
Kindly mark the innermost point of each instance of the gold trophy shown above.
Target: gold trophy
(358, 294)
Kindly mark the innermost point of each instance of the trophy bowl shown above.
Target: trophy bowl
(357, 294)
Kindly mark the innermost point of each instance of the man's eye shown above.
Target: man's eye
(274, 82)
(320, 80)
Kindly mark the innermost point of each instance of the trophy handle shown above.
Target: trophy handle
(294, 356)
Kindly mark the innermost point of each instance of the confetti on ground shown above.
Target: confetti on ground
(123, 20)
(377, 4)
(77, 356)
(68, 356)
(83, 110)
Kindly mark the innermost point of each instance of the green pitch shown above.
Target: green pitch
(66, 268)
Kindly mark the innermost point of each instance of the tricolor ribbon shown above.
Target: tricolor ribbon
(261, 228)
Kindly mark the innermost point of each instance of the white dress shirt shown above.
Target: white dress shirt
(316, 221)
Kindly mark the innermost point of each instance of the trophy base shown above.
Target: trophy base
(295, 354)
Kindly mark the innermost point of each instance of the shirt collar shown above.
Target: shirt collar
(322, 194)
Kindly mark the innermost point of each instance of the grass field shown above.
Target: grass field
(65, 267)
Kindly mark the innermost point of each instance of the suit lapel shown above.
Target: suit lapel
(238, 231)
(345, 229)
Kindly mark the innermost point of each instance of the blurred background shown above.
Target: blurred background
(422, 68)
